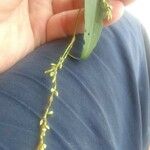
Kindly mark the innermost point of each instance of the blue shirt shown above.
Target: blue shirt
(103, 102)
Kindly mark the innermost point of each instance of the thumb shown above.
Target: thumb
(63, 24)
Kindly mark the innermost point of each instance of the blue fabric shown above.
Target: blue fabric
(103, 102)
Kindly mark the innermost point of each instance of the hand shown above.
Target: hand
(26, 24)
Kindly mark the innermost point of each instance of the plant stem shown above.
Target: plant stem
(53, 71)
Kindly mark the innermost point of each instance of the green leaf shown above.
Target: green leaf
(93, 26)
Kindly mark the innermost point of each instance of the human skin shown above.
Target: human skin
(27, 24)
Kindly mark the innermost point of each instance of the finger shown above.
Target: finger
(64, 5)
(63, 24)
(127, 2)
(117, 11)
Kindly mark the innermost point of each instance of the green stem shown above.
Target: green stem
(53, 71)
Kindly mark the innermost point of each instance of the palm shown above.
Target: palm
(31, 22)
(24, 26)
(39, 12)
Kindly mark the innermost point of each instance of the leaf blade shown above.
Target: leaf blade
(93, 26)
